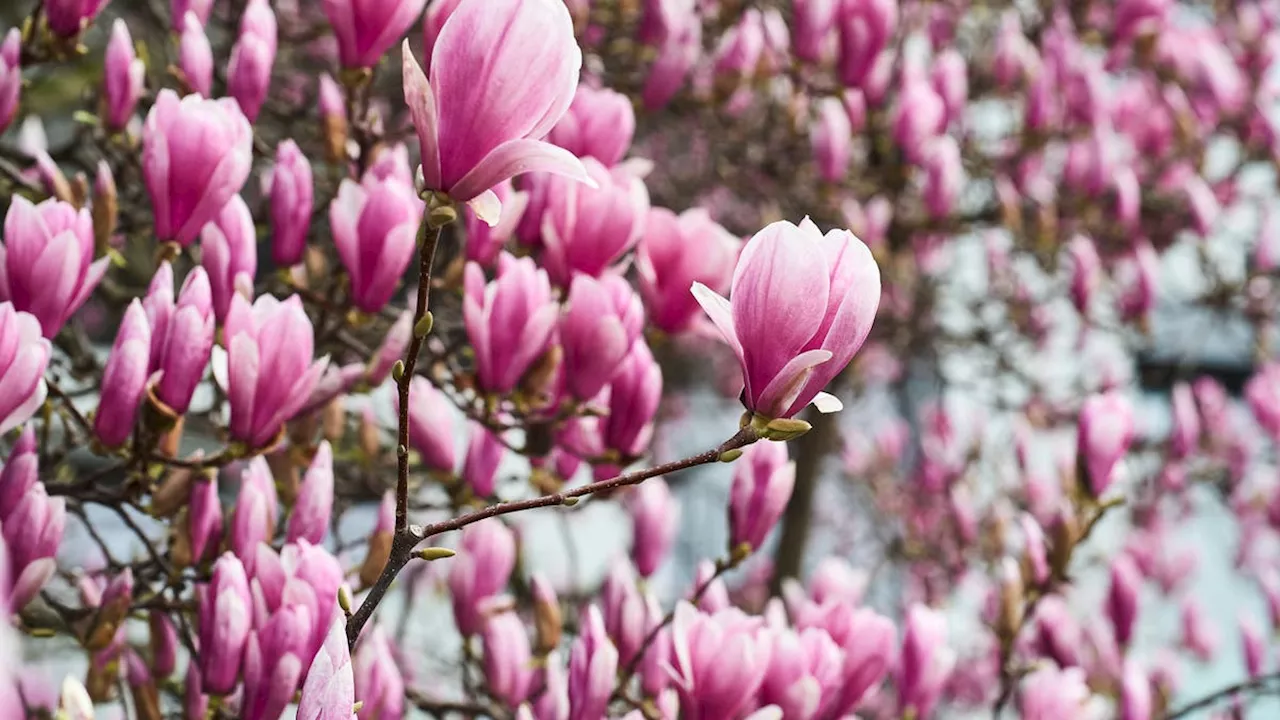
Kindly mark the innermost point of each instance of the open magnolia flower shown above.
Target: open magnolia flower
(474, 136)
(800, 306)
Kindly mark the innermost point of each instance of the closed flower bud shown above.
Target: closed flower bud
(1122, 599)
(831, 136)
(1053, 693)
(123, 78)
(600, 124)
(270, 373)
(944, 176)
(32, 530)
(1086, 269)
(950, 79)
(224, 623)
(1135, 693)
(1254, 646)
(329, 690)
(507, 658)
(762, 484)
(249, 69)
(164, 644)
(587, 228)
(811, 25)
(593, 661)
(1140, 275)
(10, 76)
(333, 117)
(1106, 430)
(195, 56)
(481, 571)
(275, 656)
(375, 225)
(181, 338)
(719, 660)
(546, 614)
(196, 154)
(309, 519)
(919, 116)
(47, 260)
(366, 30)
(925, 663)
(229, 245)
(675, 252)
(124, 379)
(655, 518)
(800, 306)
(603, 320)
(484, 454)
(431, 425)
(1185, 436)
(865, 27)
(634, 394)
(291, 204)
(378, 681)
(507, 344)
(67, 18)
(24, 355)
(106, 207)
(256, 508)
(204, 517)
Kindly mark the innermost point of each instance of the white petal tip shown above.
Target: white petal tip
(487, 207)
(827, 403)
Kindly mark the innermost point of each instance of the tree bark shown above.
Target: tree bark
(812, 449)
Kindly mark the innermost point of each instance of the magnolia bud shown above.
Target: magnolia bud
(423, 326)
(172, 494)
(106, 208)
(434, 553)
(370, 442)
(334, 116)
(333, 420)
(546, 615)
(1011, 594)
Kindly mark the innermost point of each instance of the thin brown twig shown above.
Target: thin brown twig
(400, 556)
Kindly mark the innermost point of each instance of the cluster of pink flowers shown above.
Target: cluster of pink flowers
(505, 245)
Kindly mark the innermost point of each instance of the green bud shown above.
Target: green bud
(729, 456)
(438, 217)
(424, 325)
(784, 429)
(738, 553)
(434, 553)
(344, 599)
(397, 370)
(571, 501)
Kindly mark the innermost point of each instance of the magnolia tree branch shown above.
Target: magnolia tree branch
(426, 259)
(404, 543)
(404, 540)
(1261, 685)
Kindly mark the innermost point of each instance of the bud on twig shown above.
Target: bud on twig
(423, 327)
(344, 599)
(434, 553)
(729, 456)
